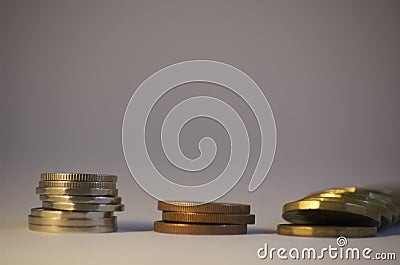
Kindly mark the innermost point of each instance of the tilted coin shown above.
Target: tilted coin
(198, 229)
(77, 177)
(204, 207)
(208, 218)
(72, 229)
(35, 220)
(83, 207)
(77, 184)
(48, 213)
(326, 231)
(81, 191)
(80, 199)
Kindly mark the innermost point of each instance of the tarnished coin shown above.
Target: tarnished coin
(77, 184)
(326, 231)
(80, 199)
(81, 191)
(77, 177)
(208, 218)
(72, 229)
(35, 220)
(83, 207)
(48, 213)
(199, 229)
(204, 207)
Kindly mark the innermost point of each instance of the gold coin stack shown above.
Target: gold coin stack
(203, 218)
(74, 202)
(348, 211)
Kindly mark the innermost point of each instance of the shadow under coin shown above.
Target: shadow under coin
(124, 226)
(260, 231)
(390, 231)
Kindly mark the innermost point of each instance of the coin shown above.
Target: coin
(72, 229)
(73, 191)
(326, 231)
(208, 218)
(198, 229)
(83, 207)
(48, 213)
(204, 207)
(77, 184)
(35, 220)
(80, 199)
(77, 177)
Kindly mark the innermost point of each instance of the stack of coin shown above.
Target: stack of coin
(74, 202)
(348, 211)
(203, 218)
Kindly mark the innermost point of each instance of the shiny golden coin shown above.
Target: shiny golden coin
(204, 207)
(48, 213)
(324, 211)
(77, 184)
(77, 177)
(72, 229)
(73, 191)
(326, 231)
(198, 229)
(35, 220)
(80, 199)
(83, 207)
(208, 218)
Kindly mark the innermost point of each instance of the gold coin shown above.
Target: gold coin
(80, 199)
(72, 229)
(77, 177)
(83, 207)
(198, 229)
(77, 184)
(35, 220)
(326, 231)
(73, 191)
(204, 207)
(208, 218)
(48, 213)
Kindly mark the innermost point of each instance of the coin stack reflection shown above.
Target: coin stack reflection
(75, 202)
(203, 219)
(348, 211)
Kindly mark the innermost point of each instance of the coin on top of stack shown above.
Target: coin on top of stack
(76, 202)
(203, 218)
(348, 211)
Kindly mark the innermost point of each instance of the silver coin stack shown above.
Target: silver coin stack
(75, 202)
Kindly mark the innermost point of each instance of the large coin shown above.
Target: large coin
(48, 213)
(204, 207)
(83, 207)
(198, 229)
(72, 229)
(326, 231)
(208, 218)
(73, 191)
(80, 199)
(35, 220)
(77, 184)
(77, 177)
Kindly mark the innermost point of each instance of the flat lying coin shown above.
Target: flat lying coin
(77, 177)
(208, 218)
(77, 184)
(73, 229)
(35, 220)
(326, 231)
(73, 191)
(80, 199)
(48, 213)
(198, 229)
(204, 207)
(83, 207)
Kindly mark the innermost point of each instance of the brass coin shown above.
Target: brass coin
(35, 220)
(73, 229)
(77, 184)
(198, 229)
(208, 218)
(48, 213)
(80, 199)
(83, 207)
(73, 191)
(326, 231)
(203, 207)
(77, 177)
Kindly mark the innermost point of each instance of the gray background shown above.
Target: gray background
(330, 70)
